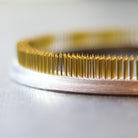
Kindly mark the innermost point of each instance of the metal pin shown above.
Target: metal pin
(75, 66)
(49, 63)
(35, 66)
(113, 67)
(68, 64)
(69, 60)
(87, 66)
(39, 62)
(126, 67)
(96, 75)
(65, 64)
(119, 67)
(84, 66)
(108, 67)
(92, 66)
(137, 67)
(60, 59)
(101, 67)
(56, 61)
(131, 60)
(78, 65)
(33, 61)
(52, 63)
(42, 61)
(81, 66)
(45, 63)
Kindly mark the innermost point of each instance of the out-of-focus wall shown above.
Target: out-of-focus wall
(21, 19)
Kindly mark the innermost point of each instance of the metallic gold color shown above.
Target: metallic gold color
(119, 67)
(69, 60)
(125, 67)
(87, 66)
(81, 66)
(113, 67)
(96, 75)
(65, 64)
(101, 67)
(104, 66)
(74, 65)
(44, 63)
(78, 65)
(56, 59)
(131, 61)
(84, 66)
(60, 60)
(108, 67)
(137, 67)
(92, 66)
(49, 63)
(52, 63)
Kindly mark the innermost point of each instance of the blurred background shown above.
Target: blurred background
(26, 112)
(28, 18)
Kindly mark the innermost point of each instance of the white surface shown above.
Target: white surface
(32, 113)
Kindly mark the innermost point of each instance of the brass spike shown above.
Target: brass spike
(60, 60)
(42, 61)
(49, 63)
(31, 61)
(84, 66)
(126, 67)
(108, 67)
(87, 66)
(92, 66)
(131, 60)
(81, 66)
(119, 67)
(137, 67)
(75, 66)
(34, 62)
(37, 62)
(65, 64)
(56, 61)
(113, 67)
(45, 62)
(30, 55)
(52, 63)
(96, 75)
(28, 60)
(104, 66)
(69, 60)
(40, 64)
(78, 65)
(101, 67)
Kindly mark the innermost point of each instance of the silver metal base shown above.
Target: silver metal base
(72, 84)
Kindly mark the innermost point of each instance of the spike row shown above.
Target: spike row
(83, 66)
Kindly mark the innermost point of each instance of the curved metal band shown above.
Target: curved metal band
(96, 74)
